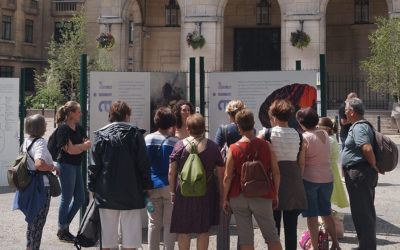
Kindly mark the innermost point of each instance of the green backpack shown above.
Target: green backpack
(193, 177)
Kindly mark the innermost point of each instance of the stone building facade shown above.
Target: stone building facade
(25, 31)
(235, 38)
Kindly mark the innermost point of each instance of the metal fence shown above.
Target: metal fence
(339, 86)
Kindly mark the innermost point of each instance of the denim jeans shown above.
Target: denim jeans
(71, 186)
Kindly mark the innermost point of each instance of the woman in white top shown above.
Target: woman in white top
(39, 159)
(289, 149)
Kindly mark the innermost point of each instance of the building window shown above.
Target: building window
(131, 32)
(171, 13)
(28, 31)
(361, 11)
(60, 28)
(263, 12)
(6, 71)
(67, 6)
(34, 4)
(6, 28)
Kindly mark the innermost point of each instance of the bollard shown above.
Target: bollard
(55, 113)
(379, 123)
(43, 109)
(337, 124)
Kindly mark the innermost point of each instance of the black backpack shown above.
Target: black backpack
(385, 150)
(52, 145)
(89, 232)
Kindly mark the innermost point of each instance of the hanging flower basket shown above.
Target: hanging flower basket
(105, 41)
(300, 39)
(195, 40)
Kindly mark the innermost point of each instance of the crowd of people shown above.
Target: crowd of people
(126, 168)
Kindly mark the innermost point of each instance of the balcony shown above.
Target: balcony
(9, 5)
(66, 7)
(31, 7)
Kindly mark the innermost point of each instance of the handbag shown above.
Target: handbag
(55, 187)
(323, 242)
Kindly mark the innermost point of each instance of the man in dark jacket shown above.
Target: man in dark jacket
(119, 176)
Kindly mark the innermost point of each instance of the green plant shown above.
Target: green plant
(383, 66)
(105, 41)
(195, 40)
(300, 39)
(60, 82)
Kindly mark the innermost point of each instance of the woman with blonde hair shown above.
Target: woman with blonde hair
(227, 134)
(194, 214)
(72, 141)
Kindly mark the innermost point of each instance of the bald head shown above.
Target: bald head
(351, 95)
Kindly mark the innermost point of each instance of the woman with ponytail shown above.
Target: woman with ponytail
(72, 141)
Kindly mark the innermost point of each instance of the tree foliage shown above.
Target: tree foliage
(383, 66)
(61, 81)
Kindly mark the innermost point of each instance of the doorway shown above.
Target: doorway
(257, 49)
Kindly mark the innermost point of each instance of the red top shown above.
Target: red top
(249, 147)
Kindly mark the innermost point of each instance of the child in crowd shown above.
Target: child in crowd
(338, 197)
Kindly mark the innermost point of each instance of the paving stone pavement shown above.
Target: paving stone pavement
(387, 203)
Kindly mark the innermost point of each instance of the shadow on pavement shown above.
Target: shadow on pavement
(387, 184)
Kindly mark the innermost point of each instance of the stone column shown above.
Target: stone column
(137, 55)
(196, 15)
(112, 20)
(314, 26)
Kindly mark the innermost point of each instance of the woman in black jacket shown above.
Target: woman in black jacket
(119, 176)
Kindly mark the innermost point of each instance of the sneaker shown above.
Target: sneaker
(65, 236)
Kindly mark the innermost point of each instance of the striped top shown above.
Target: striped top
(285, 143)
(159, 159)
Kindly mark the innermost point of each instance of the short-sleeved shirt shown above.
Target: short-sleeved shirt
(344, 128)
(239, 158)
(38, 151)
(159, 156)
(65, 133)
(285, 143)
(359, 135)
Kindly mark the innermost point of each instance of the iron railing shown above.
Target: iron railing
(339, 86)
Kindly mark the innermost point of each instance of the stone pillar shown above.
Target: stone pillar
(111, 20)
(314, 26)
(196, 15)
(137, 55)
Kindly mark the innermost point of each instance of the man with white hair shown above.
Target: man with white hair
(361, 174)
